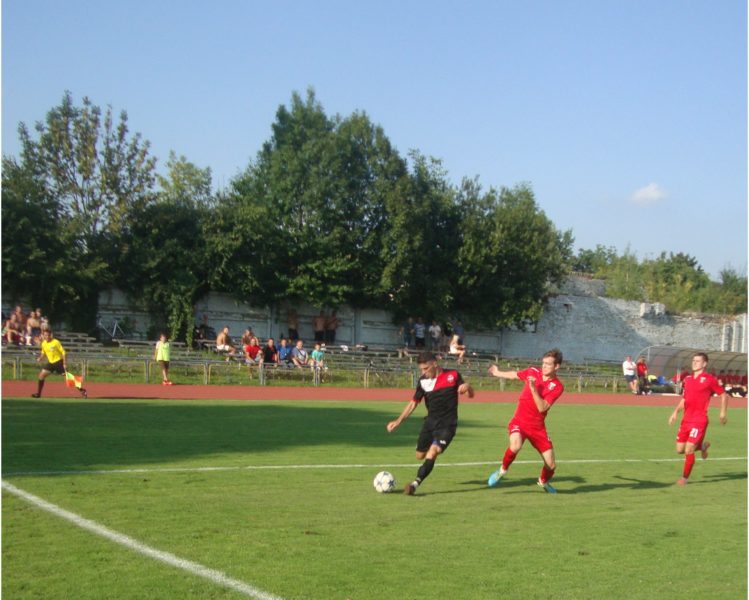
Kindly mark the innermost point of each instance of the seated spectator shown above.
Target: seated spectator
(224, 343)
(33, 328)
(270, 352)
(456, 348)
(284, 354)
(12, 330)
(317, 357)
(299, 355)
(246, 338)
(253, 354)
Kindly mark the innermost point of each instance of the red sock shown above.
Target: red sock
(546, 474)
(688, 464)
(508, 458)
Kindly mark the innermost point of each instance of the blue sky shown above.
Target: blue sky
(628, 119)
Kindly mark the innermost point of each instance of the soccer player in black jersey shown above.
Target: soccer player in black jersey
(439, 388)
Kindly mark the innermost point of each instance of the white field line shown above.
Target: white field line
(350, 466)
(120, 538)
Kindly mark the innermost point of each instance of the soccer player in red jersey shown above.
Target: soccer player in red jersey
(439, 388)
(698, 389)
(542, 389)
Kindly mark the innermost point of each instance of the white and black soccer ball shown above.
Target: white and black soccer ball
(384, 482)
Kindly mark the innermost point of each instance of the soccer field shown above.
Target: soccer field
(212, 499)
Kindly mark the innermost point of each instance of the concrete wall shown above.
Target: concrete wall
(578, 320)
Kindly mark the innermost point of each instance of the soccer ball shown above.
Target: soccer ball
(384, 482)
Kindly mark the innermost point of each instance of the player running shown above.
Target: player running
(439, 388)
(541, 390)
(698, 388)
(53, 355)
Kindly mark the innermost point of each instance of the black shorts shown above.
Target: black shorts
(164, 364)
(435, 433)
(55, 367)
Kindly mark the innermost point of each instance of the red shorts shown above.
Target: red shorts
(692, 432)
(537, 436)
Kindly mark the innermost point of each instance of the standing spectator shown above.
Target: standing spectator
(642, 377)
(439, 388)
(698, 389)
(162, 354)
(224, 343)
(52, 357)
(292, 322)
(284, 354)
(317, 357)
(629, 370)
(318, 325)
(270, 352)
(542, 389)
(299, 355)
(331, 325)
(420, 332)
(435, 336)
(407, 332)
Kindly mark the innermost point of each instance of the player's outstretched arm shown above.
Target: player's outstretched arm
(496, 372)
(409, 408)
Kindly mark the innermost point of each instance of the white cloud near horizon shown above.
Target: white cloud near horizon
(650, 194)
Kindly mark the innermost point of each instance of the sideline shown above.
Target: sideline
(120, 538)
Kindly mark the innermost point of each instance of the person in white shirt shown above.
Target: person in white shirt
(629, 368)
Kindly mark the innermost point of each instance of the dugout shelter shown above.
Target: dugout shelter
(670, 360)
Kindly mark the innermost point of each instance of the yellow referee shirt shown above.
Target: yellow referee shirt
(53, 350)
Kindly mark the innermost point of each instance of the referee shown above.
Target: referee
(52, 357)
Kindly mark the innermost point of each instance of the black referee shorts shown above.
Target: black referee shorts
(55, 367)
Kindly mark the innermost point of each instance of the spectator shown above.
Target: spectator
(284, 354)
(270, 352)
(407, 332)
(435, 336)
(299, 355)
(253, 353)
(317, 357)
(292, 321)
(246, 338)
(34, 327)
(21, 318)
(642, 377)
(420, 332)
(456, 348)
(331, 325)
(629, 369)
(460, 332)
(162, 354)
(12, 330)
(318, 325)
(224, 343)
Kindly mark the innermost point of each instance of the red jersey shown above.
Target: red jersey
(697, 393)
(527, 412)
(642, 369)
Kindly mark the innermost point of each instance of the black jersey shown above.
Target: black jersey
(440, 396)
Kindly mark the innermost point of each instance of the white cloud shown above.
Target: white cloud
(650, 194)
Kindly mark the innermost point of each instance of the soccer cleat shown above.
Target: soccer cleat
(548, 488)
(682, 481)
(495, 478)
(409, 490)
(35, 395)
(704, 449)
(84, 393)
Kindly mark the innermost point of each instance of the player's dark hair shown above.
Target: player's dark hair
(425, 357)
(702, 355)
(556, 354)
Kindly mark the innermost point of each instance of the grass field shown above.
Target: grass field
(279, 496)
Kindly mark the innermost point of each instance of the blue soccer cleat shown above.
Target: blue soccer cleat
(548, 488)
(495, 478)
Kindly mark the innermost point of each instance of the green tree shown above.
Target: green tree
(185, 183)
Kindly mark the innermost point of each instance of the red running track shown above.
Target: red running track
(57, 389)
